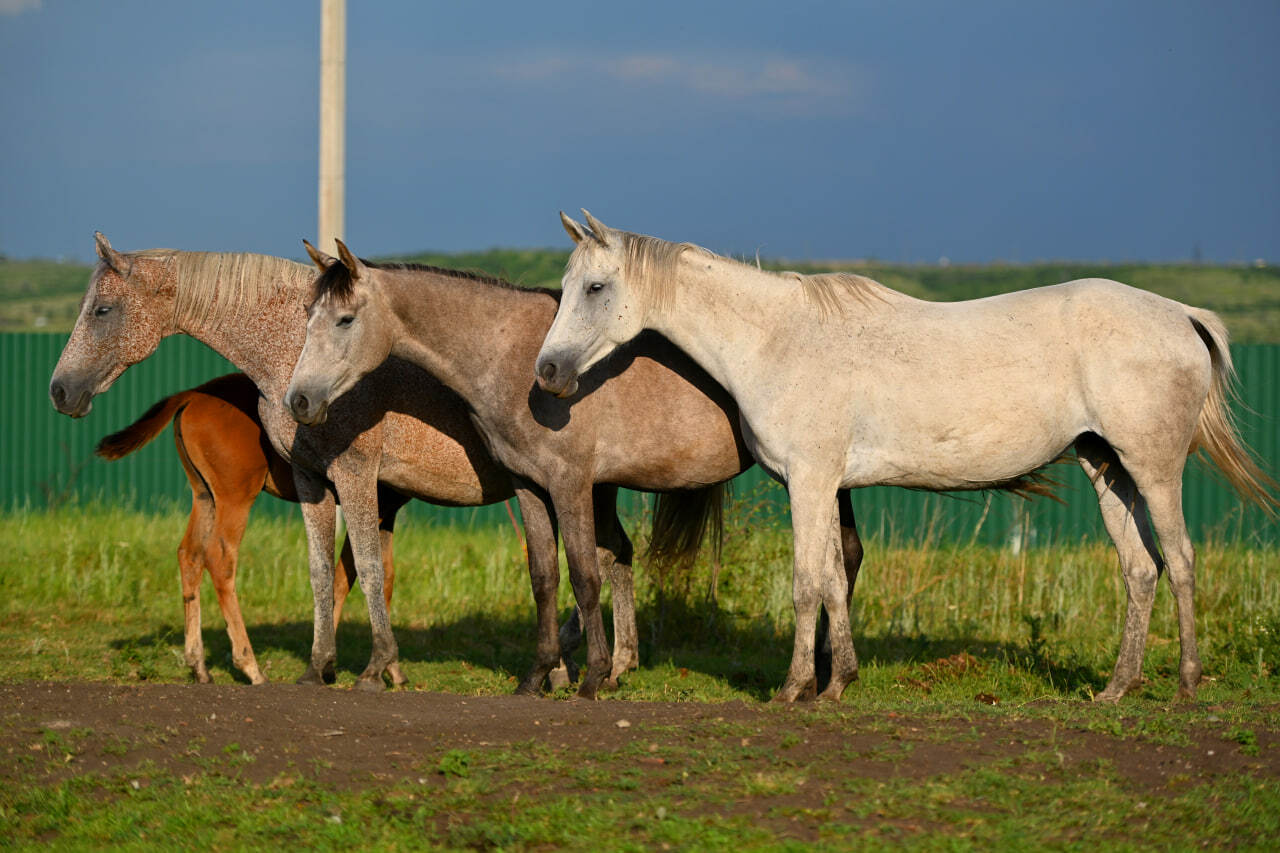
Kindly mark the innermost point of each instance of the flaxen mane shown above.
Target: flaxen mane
(213, 286)
(651, 265)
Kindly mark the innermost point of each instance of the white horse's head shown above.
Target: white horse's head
(600, 309)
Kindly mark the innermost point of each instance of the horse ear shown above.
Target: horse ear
(353, 264)
(576, 231)
(113, 259)
(320, 259)
(598, 228)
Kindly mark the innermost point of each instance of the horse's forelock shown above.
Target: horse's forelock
(334, 284)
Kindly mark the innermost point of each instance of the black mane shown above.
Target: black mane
(335, 282)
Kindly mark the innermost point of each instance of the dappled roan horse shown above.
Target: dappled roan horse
(400, 434)
(228, 461)
(842, 382)
(652, 420)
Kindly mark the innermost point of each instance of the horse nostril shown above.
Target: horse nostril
(547, 371)
(58, 393)
(301, 404)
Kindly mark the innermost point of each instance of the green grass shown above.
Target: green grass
(1046, 620)
(91, 593)
(1248, 298)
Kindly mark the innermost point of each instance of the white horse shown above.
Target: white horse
(843, 382)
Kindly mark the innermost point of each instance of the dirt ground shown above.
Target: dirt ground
(355, 740)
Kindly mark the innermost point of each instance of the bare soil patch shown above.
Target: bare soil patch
(350, 739)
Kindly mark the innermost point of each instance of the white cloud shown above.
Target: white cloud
(17, 7)
(791, 84)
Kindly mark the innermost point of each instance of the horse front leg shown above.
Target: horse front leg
(544, 576)
(359, 496)
(851, 554)
(577, 523)
(318, 517)
(818, 581)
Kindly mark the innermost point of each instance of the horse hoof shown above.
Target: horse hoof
(397, 677)
(559, 678)
(830, 696)
(202, 678)
(791, 692)
(370, 685)
(587, 691)
(312, 677)
(531, 686)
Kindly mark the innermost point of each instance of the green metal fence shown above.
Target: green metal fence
(47, 458)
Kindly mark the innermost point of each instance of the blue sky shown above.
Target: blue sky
(906, 131)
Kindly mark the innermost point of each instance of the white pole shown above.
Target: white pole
(333, 120)
(333, 107)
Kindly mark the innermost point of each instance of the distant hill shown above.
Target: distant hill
(38, 295)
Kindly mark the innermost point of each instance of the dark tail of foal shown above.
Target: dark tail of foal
(141, 431)
(682, 519)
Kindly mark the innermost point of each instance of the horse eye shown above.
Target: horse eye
(595, 287)
(346, 320)
(102, 311)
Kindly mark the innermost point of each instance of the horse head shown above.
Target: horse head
(118, 326)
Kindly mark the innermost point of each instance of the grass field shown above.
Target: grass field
(43, 295)
(970, 652)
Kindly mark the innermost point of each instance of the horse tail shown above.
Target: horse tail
(681, 520)
(145, 428)
(1216, 432)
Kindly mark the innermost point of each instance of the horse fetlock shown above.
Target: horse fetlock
(396, 675)
(324, 673)
(531, 685)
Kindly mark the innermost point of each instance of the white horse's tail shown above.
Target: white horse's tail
(1216, 432)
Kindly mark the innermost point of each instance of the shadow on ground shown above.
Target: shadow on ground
(751, 654)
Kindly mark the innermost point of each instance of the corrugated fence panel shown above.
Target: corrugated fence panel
(47, 458)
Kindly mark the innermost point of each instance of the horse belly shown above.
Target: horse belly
(435, 467)
(958, 457)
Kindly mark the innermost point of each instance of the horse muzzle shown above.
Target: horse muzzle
(555, 378)
(73, 399)
(306, 410)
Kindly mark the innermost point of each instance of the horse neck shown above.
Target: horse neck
(725, 315)
(263, 341)
(469, 334)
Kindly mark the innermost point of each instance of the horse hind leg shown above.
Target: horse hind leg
(222, 554)
(1164, 502)
(616, 567)
(1124, 513)
(191, 569)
